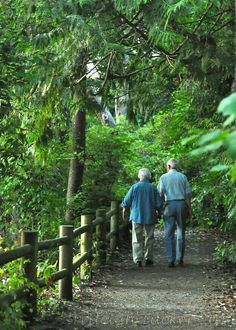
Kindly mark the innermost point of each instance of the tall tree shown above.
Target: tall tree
(75, 178)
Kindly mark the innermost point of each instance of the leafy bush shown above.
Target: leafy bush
(11, 316)
(226, 252)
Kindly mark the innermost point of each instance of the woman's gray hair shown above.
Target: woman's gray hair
(173, 163)
(144, 173)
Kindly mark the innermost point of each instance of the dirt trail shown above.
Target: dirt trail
(157, 297)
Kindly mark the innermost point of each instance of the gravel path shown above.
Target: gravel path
(123, 296)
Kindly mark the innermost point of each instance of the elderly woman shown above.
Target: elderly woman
(144, 201)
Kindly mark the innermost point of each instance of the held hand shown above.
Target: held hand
(125, 215)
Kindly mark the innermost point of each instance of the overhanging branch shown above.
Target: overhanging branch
(194, 30)
(76, 82)
(145, 37)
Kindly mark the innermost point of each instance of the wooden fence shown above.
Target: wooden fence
(94, 239)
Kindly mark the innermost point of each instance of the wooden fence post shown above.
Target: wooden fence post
(114, 226)
(101, 236)
(29, 268)
(65, 261)
(85, 246)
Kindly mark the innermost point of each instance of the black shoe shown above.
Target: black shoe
(148, 262)
(171, 264)
(139, 263)
(180, 263)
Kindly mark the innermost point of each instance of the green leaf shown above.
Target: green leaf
(189, 139)
(210, 147)
(233, 172)
(229, 120)
(209, 136)
(219, 167)
(228, 105)
(230, 143)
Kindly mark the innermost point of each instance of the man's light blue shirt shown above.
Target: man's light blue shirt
(173, 186)
(143, 199)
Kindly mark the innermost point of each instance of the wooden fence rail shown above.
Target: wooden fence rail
(93, 240)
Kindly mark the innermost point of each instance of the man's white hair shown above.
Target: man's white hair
(173, 163)
(144, 173)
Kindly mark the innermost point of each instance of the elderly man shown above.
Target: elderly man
(174, 187)
(144, 201)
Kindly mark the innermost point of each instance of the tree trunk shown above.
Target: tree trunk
(76, 170)
(77, 161)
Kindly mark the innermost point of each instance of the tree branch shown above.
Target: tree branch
(222, 26)
(194, 30)
(145, 37)
(76, 82)
(135, 71)
(107, 71)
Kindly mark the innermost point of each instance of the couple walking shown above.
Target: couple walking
(145, 202)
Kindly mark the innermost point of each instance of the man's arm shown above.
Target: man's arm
(159, 204)
(126, 204)
(160, 188)
(188, 197)
(160, 196)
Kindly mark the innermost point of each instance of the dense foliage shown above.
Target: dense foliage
(161, 68)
